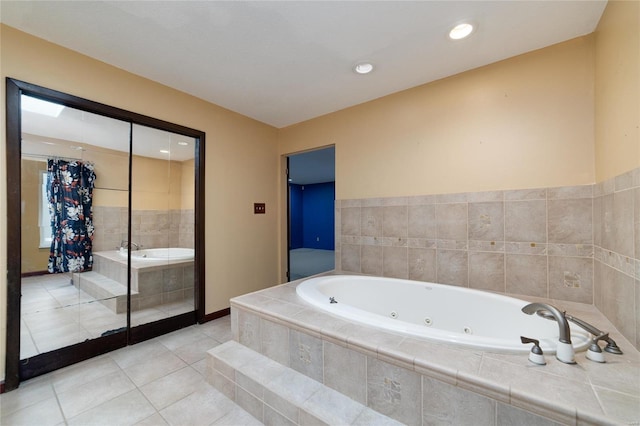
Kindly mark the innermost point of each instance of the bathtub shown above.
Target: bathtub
(155, 277)
(450, 314)
(171, 253)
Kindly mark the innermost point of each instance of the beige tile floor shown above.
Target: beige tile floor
(157, 382)
(55, 314)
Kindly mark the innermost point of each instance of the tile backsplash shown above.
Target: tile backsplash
(616, 235)
(150, 228)
(578, 243)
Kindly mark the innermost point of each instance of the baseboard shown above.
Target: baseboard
(34, 274)
(215, 315)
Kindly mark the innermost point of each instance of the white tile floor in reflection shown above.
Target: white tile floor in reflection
(54, 314)
(157, 382)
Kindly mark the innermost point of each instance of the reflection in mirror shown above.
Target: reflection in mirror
(162, 218)
(81, 309)
(74, 178)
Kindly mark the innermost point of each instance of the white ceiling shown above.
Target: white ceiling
(283, 62)
(75, 131)
(318, 166)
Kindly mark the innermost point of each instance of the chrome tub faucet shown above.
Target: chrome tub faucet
(124, 244)
(612, 346)
(594, 353)
(564, 351)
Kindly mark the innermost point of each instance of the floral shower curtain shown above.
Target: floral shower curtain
(70, 193)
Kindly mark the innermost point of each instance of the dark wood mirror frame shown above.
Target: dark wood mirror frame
(40, 364)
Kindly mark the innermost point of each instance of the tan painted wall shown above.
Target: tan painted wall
(34, 258)
(156, 184)
(520, 123)
(188, 189)
(159, 184)
(617, 90)
(568, 114)
(241, 162)
(524, 122)
(111, 166)
(156, 188)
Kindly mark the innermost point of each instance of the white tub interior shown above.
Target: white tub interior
(457, 315)
(169, 253)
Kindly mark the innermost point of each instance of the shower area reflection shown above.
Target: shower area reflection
(161, 219)
(143, 199)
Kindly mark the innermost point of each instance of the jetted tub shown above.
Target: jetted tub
(171, 253)
(451, 314)
(158, 276)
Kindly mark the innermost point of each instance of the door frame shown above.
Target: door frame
(288, 204)
(15, 372)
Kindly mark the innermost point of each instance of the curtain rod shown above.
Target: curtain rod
(55, 157)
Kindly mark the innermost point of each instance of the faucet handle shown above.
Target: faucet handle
(594, 353)
(612, 347)
(536, 355)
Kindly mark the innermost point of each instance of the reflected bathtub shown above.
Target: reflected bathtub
(158, 276)
(170, 253)
(448, 314)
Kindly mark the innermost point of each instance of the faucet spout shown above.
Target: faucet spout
(564, 352)
(563, 324)
(124, 244)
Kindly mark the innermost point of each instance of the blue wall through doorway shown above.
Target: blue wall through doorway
(312, 216)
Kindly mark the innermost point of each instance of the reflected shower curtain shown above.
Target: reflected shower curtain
(70, 193)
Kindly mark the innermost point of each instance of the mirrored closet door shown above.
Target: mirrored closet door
(74, 199)
(103, 209)
(162, 225)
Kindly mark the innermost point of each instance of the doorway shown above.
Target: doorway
(102, 217)
(311, 212)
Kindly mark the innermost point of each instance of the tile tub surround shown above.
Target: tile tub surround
(151, 228)
(155, 283)
(577, 243)
(419, 382)
(278, 395)
(617, 252)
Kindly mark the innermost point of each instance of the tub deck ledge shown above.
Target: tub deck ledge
(586, 392)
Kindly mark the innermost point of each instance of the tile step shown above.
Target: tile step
(275, 394)
(109, 292)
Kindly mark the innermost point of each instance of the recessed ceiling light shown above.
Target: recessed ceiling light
(363, 68)
(183, 143)
(164, 151)
(27, 103)
(461, 31)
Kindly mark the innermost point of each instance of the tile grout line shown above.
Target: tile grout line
(55, 394)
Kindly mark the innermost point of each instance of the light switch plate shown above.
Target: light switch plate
(259, 208)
